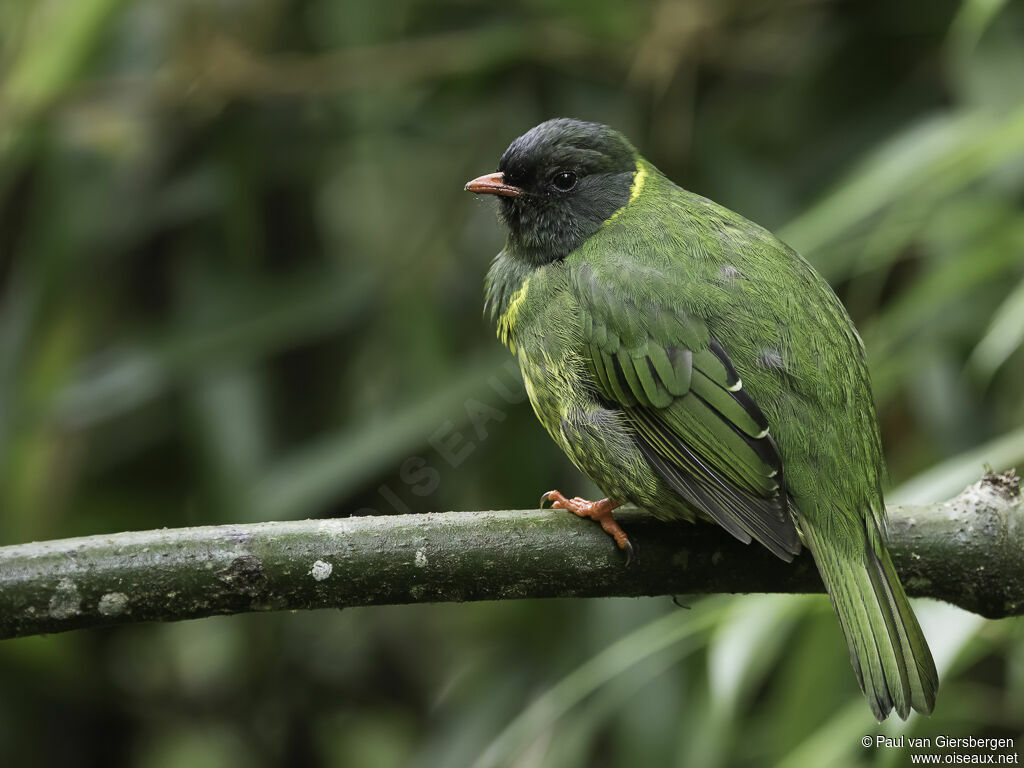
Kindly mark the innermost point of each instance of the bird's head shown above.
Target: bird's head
(557, 183)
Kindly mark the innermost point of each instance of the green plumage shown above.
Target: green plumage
(688, 361)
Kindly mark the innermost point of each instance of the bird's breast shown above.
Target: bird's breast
(540, 324)
(508, 320)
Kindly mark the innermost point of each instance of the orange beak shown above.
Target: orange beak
(493, 184)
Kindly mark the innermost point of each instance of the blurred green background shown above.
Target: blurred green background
(240, 281)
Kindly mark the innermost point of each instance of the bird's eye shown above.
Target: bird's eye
(564, 180)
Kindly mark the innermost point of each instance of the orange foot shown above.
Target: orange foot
(599, 511)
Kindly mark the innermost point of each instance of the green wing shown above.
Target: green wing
(685, 405)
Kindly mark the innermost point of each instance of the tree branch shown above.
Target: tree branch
(967, 551)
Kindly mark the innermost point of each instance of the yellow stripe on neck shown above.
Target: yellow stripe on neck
(638, 181)
(635, 189)
(507, 321)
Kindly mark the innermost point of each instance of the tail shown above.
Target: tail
(888, 651)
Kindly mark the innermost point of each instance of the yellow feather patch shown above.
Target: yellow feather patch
(638, 181)
(635, 189)
(507, 321)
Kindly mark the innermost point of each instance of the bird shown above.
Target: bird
(692, 364)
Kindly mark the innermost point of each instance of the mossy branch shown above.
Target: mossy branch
(966, 551)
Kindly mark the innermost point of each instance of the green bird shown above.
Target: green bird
(691, 363)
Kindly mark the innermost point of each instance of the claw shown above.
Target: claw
(675, 599)
(545, 498)
(632, 553)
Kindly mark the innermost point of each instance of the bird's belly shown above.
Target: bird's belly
(595, 438)
(552, 387)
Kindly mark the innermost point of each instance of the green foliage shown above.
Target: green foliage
(239, 279)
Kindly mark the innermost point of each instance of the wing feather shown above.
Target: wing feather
(686, 408)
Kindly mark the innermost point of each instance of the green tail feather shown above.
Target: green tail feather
(888, 651)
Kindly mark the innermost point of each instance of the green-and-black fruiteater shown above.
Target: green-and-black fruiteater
(689, 362)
